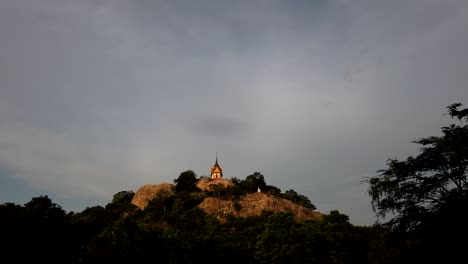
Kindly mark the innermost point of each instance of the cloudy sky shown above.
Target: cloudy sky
(100, 96)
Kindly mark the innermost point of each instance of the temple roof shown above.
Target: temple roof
(216, 166)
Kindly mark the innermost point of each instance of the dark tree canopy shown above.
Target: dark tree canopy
(123, 197)
(299, 199)
(254, 182)
(41, 203)
(416, 189)
(186, 182)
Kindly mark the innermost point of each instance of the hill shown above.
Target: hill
(227, 222)
(217, 200)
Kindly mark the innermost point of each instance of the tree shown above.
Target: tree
(43, 227)
(123, 197)
(299, 199)
(253, 182)
(41, 203)
(459, 114)
(273, 190)
(121, 204)
(417, 190)
(186, 182)
(42, 209)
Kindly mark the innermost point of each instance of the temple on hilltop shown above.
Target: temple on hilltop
(216, 171)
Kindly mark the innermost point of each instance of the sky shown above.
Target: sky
(101, 96)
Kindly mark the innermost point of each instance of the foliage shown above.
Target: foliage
(418, 188)
(273, 190)
(34, 228)
(254, 182)
(427, 196)
(174, 230)
(186, 182)
(298, 199)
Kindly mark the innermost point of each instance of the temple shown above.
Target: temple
(216, 171)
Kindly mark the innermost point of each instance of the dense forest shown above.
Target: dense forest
(421, 203)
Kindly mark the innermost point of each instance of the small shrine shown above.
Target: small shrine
(216, 171)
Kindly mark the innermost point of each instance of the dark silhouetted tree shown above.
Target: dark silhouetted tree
(413, 188)
(253, 182)
(186, 182)
(273, 190)
(298, 199)
(427, 194)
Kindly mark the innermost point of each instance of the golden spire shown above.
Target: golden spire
(216, 163)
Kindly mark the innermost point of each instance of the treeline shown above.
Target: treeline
(174, 230)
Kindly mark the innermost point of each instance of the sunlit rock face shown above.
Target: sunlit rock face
(208, 185)
(148, 192)
(254, 204)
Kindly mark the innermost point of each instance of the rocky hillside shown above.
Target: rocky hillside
(207, 185)
(252, 204)
(148, 192)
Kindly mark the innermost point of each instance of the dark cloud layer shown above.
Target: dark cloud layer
(219, 126)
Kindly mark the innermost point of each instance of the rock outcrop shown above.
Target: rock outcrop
(254, 204)
(207, 185)
(149, 191)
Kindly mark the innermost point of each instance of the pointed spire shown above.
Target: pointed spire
(216, 163)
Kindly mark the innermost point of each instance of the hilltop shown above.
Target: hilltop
(223, 198)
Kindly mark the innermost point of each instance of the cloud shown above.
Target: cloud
(219, 126)
(56, 162)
